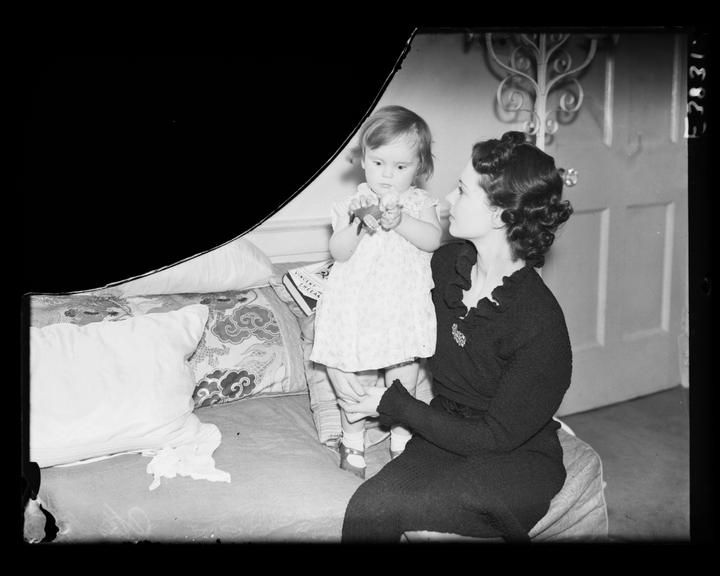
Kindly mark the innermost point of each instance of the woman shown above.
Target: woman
(485, 459)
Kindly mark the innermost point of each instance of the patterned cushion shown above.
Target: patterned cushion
(250, 345)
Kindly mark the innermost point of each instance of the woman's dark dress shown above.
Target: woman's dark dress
(485, 459)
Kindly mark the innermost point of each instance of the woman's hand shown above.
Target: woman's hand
(367, 407)
(347, 385)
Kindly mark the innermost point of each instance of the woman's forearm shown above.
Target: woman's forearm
(529, 394)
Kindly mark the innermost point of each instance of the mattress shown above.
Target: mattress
(285, 487)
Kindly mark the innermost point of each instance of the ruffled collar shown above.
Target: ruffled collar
(504, 294)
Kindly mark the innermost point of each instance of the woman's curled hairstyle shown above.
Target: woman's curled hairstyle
(522, 180)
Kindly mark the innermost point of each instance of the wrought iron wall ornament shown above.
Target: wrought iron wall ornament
(537, 65)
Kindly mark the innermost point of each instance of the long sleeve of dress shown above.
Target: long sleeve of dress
(528, 396)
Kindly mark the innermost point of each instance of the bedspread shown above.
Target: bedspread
(286, 487)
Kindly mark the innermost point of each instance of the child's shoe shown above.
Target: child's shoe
(345, 465)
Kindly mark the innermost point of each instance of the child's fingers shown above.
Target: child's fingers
(390, 220)
(389, 203)
(391, 210)
(369, 200)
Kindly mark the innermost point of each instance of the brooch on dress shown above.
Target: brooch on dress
(459, 336)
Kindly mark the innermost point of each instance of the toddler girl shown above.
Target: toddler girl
(376, 310)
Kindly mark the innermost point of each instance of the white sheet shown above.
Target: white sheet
(193, 459)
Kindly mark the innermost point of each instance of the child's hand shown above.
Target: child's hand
(391, 217)
(368, 210)
(362, 201)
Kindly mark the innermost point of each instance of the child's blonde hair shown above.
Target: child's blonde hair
(391, 122)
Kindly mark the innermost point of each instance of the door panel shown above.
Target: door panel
(644, 277)
(584, 299)
(618, 265)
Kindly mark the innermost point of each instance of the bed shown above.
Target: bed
(245, 379)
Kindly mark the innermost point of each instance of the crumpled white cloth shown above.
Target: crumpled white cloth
(193, 459)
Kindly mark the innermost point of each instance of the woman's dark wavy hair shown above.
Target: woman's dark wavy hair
(523, 181)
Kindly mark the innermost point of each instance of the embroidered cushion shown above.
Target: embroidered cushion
(250, 344)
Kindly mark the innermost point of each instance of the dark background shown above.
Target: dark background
(143, 147)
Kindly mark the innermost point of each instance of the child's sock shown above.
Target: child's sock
(355, 440)
(399, 437)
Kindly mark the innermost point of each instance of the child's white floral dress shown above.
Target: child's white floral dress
(376, 309)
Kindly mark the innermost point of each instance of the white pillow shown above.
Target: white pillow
(110, 387)
(236, 265)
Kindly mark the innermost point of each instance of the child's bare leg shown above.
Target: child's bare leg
(408, 375)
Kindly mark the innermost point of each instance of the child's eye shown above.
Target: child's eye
(402, 167)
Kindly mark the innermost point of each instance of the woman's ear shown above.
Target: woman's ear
(496, 217)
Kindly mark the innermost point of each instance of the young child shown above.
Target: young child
(376, 310)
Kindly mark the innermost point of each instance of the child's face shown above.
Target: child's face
(391, 167)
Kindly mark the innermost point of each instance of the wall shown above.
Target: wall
(451, 89)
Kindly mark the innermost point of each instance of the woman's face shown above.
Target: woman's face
(471, 215)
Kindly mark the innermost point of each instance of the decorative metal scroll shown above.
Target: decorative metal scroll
(547, 56)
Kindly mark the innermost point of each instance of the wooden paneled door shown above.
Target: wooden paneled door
(619, 265)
